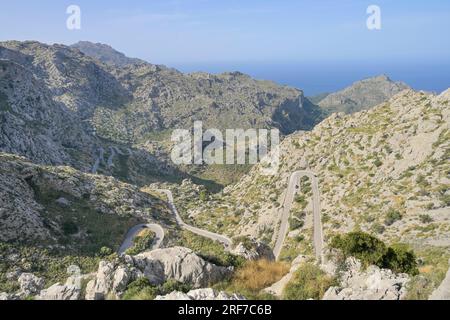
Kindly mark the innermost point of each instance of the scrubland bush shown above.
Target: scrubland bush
(372, 251)
(309, 282)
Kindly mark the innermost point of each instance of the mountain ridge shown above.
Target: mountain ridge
(362, 95)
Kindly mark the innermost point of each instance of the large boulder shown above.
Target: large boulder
(4, 296)
(200, 294)
(373, 283)
(60, 292)
(158, 266)
(183, 265)
(111, 278)
(252, 249)
(174, 296)
(30, 284)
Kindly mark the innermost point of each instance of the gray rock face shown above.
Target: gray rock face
(30, 284)
(54, 101)
(63, 202)
(60, 292)
(201, 294)
(4, 296)
(21, 208)
(78, 88)
(33, 124)
(158, 266)
(362, 95)
(256, 250)
(443, 291)
(183, 265)
(109, 279)
(176, 295)
(370, 284)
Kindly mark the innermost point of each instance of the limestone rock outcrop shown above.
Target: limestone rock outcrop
(30, 284)
(372, 283)
(177, 263)
(201, 294)
(254, 250)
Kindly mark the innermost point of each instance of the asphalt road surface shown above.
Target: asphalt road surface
(293, 187)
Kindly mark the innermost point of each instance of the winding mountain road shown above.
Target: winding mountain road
(100, 158)
(204, 233)
(159, 231)
(293, 186)
(111, 157)
(133, 232)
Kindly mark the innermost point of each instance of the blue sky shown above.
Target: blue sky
(253, 35)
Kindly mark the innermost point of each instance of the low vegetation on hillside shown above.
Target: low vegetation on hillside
(308, 282)
(372, 251)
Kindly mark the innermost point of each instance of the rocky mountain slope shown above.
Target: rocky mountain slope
(384, 171)
(361, 95)
(33, 123)
(60, 105)
(79, 122)
(229, 100)
(60, 207)
(106, 54)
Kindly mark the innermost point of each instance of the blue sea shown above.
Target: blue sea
(315, 78)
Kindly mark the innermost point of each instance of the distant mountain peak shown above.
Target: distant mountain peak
(362, 95)
(381, 77)
(105, 54)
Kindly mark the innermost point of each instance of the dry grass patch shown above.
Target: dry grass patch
(260, 274)
(426, 269)
(252, 277)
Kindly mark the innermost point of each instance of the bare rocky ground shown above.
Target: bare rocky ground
(383, 171)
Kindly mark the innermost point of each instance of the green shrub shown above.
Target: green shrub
(173, 285)
(246, 242)
(142, 289)
(295, 223)
(360, 245)
(300, 199)
(399, 258)
(378, 163)
(378, 228)
(49, 264)
(392, 216)
(105, 251)
(69, 228)
(209, 250)
(425, 218)
(142, 243)
(372, 251)
(309, 282)
(203, 196)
